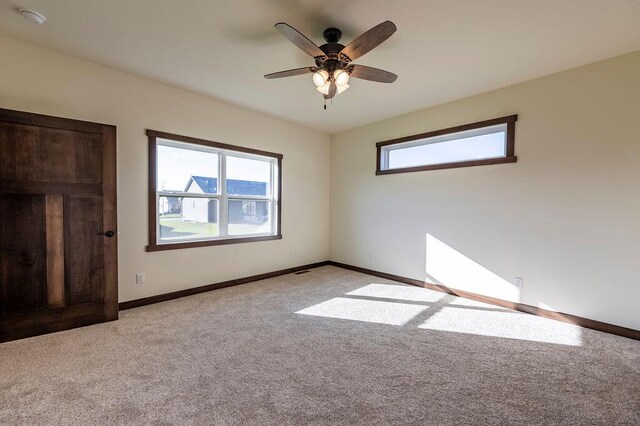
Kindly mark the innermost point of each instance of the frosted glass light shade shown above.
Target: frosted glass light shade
(320, 77)
(342, 88)
(324, 89)
(341, 77)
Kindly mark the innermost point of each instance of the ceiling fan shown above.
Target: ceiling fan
(333, 60)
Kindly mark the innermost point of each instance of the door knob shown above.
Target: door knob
(107, 234)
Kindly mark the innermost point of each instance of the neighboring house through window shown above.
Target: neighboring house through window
(207, 193)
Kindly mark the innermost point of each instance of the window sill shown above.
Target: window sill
(194, 244)
(485, 162)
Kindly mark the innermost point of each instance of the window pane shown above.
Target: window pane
(187, 170)
(249, 217)
(187, 218)
(248, 177)
(464, 149)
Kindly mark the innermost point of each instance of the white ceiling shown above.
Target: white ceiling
(443, 49)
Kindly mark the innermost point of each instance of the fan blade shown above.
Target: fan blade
(332, 91)
(291, 73)
(369, 40)
(372, 74)
(296, 37)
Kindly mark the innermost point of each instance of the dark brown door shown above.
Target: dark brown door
(58, 248)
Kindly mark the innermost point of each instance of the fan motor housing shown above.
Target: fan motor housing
(332, 49)
(333, 60)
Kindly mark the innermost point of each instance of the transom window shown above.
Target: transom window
(206, 193)
(475, 144)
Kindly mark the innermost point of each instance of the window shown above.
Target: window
(206, 193)
(475, 144)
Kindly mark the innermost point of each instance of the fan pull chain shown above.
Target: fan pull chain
(325, 104)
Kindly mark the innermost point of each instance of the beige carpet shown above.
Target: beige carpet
(327, 347)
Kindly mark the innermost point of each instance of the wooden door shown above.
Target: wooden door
(58, 237)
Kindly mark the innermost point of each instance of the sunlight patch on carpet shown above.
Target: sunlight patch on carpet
(398, 292)
(372, 311)
(511, 325)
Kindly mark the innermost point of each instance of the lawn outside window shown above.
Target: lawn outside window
(204, 193)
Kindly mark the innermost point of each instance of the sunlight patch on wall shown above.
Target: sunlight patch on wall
(453, 269)
(547, 307)
(398, 292)
(461, 301)
(510, 325)
(378, 312)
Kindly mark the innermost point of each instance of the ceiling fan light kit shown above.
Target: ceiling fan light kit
(334, 66)
(342, 88)
(320, 77)
(341, 77)
(324, 89)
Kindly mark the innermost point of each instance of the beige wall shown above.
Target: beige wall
(565, 217)
(40, 80)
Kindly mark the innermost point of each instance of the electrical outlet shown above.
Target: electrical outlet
(140, 278)
(518, 282)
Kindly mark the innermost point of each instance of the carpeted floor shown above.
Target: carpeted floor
(327, 347)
